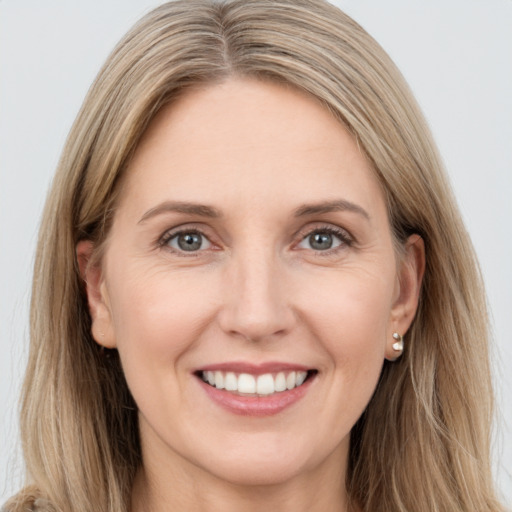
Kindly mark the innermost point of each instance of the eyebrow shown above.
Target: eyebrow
(211, 212)
(201, 210)
(339, 205)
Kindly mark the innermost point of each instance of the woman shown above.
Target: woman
(253, 290)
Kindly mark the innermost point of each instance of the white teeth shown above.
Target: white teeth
(300, 377)
(245, 383)
(219, 380)
(280, 382)
(290, 380)
(231, 382)
(265, 384)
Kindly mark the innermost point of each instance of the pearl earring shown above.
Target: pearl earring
(398, 346)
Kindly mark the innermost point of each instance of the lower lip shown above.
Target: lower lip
(256, 405)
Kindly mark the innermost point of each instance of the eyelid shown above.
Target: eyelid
(174, 241)
(171, 233)
(344, 236)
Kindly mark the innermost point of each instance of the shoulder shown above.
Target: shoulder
(27, 500)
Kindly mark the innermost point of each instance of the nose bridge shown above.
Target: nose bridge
(257, 305)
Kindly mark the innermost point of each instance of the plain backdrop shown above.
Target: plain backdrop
(455, 54)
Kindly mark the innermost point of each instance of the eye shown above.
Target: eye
(188, 241)
(323, 240)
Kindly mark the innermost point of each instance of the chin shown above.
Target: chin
(262, 462)
(250, 473)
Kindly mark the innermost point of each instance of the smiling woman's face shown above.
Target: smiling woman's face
(251, 248)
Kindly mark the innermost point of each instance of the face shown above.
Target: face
(250, 284)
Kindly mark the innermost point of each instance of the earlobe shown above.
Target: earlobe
(410, 277)
(97, 295)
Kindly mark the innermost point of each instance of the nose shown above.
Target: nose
(257, 301)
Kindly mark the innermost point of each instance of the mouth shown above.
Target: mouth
(245, 384)
(256, 389)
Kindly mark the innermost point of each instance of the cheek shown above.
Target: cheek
(157, 315)
(347, 315)
(158, 319)
(350, 315)
(355, 305)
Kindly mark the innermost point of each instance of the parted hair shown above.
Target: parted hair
(423, 442)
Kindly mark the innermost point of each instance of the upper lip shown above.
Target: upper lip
(253, 369)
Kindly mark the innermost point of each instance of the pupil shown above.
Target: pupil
(189, 242)
(321, 241)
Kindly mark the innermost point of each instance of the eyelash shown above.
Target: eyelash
(345, 238)
(170, 235)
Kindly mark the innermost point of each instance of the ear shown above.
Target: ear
(97, 296)
(407, 291)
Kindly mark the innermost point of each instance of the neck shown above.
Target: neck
(318, 490)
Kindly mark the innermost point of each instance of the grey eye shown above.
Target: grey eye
(189, 242)
(320, 241)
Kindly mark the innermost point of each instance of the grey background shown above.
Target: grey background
(455, 54)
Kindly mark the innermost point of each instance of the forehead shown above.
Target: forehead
(249, 139)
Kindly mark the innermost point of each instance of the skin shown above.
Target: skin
(256, 291)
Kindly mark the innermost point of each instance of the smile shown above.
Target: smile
(256, 390)
(247, 384)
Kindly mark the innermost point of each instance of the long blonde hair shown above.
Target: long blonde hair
(423, 442)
